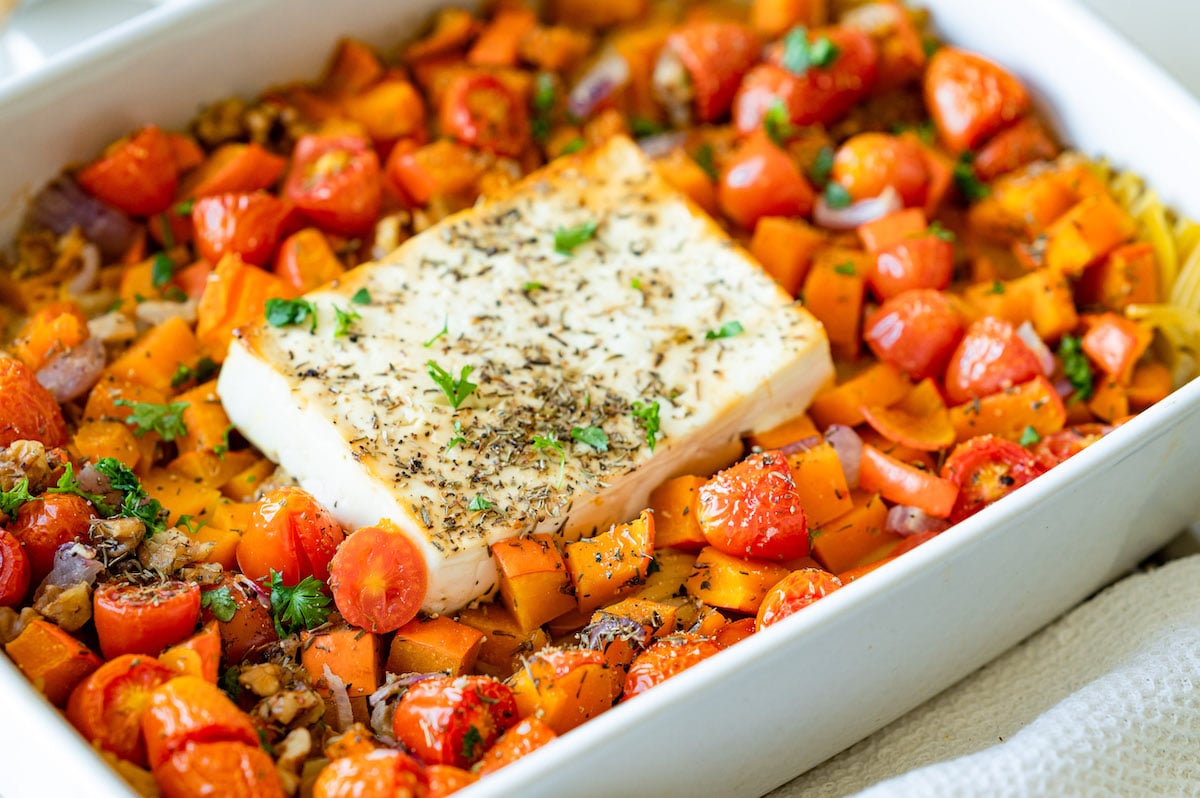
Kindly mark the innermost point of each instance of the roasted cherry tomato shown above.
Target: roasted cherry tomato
(524, 738)
(232, 769)
(47, 522)
(29, 411)
(1023, 143)
(752, 509)
(136, 175)
(144, 619)
(1058, 446)
(188, 709)
(199, 655)
(107, 706)
(480, 111)
(247, 225)
(868, 163)
(378, 579)
(990, 357)
(971, 98)
(714, 55)
(916, 332)
(14, 570)
(451, 720)
(336, 182)
(665, 658)
(985, 469)
(384, 773)
(924, 261)
(289, 532)
(251, 626)
(445, 780)
(793, 593)
(760, 179)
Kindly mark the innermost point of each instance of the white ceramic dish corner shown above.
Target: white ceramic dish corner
(783, 701)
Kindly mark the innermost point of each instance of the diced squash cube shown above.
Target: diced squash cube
(425, 645)
(821, 483)
(675, 518)
(564, 687)
(671, 569)
(733, 583)
(534, 583)
(351, 654)
(611, 563)
(154, 358)
(503, 642)
(843, 542)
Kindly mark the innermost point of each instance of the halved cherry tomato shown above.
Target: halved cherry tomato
(990, 357)
(144, 619)
(232, 769)
(199, 655)
(29, 411)
(385, 773)
(915, 331)
(734, 632)
(902, 483)
(752, 509)
(480, 111)
(247, 225)
(454, 720)
(760, 179)
(107, 706)
(251, 626)
(925, 261)
(901, 52)
(234, 168)
(306, 260)
(14, 570)
(971, 98)
(1023, 143)
(445, 780)
(289, 532)
(47, 522)
(985, 469)
(1058, 446)
(793, 593)
(524, 738)
(136, 175)
(716, 54)
(378, 579)
(335, 181)
(188, 709)
(868, 163)
(665, 658)
(1114, 343)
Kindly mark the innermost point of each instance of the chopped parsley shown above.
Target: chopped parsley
(822, 167)
(135, 502)
(67, 483)
(161, 270)
(479, 504)
(445, 329)
(184, 208)
(635, 284)
(472, 741)
(641, 127)
(458, 439)
(221, 448)
(846, 268)
(532, 286)
(221, 602)
(456, 391)
(566, 239)
(966, 182)
(544, 95)
(285, 312)
(303, 606)
(1076, 367)
(706, 160)
(799, 54)
(573, 146)
(203, 369)
(646, 415)
(361, 297)
(550, 443)
(938, 231)
(777, 122)
(165, 419)
(229, 682)
(1029, 436)
(925, 132)
(344, 319)
(11, 500)
(591, 436)
(728, 330)
(186, 523)
(997, 287)
(836, 196)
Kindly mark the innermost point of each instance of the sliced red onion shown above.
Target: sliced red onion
(849, 448)
(662, 144)
(1064, 388)
(343, 712)
(609, 73)
(62, 205)
(802, 445)
(154, 312)
(1031, 339)
(857, 213)
(74, 563)
(90, 271)
(905, 520)
(71, 374)
(92, 480)
(608, 628)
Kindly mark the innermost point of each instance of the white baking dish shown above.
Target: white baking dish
(782, 701)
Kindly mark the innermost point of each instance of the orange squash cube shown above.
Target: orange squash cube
(733, 583)
(843, 542)
(534, 583)
(503, 642)
(675, 518)
(611, 563)
(351, 654)
(821, 483)
(424, 645)
(564, 687)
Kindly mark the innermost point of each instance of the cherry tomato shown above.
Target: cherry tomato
(384, 773)
(29, 411)
(107, 706)
(793, 593)
(335, 181)
(480, 111)
(716, 54)
(251, 627)
(915, 331)
(451, 720)
(14, 570)
(971, 98)
(734, 632)
(188, 709)
(989, 358)
(47, 522)
(760, 179)
(444, 780)
(1023, 143)
(1058, 446)
(903, 483)
(986, 468)
(752, 509)
(868, 163)
(925, 261)
(136, 175)
(228, 769)
(144, 619)
(665, 658)
(289, 532)
(378, 579)
(524, 738)
(247, 225)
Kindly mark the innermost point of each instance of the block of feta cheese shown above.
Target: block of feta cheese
(610, 336)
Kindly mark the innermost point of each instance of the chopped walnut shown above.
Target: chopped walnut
(116, 538)
(220, 123)
(290, 755)
(170, 550)
(291, 707)
(263, 680)
(205, 573)
(24, 460)
(12, 623)
(69, 607)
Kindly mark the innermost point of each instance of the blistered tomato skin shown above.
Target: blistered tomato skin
(144, 619)
(47, 522)
(336, 182)
(374, 774)
(29, 411)
(990, 358)
(987, 468)
(227, 768)
(107, 706)
(480, 111)
(289, 532)
(752, 509)
(793, 593)
(14, 570)
(663, 659)
(916, 332)
(454, 720)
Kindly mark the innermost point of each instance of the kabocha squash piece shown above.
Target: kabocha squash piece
(425, 645)
(564, 687)
(1115, 343)
(246, 484)
(353, 67)
(1127, 276)
(1087, 232)
(503, 642)
(96, 440)
(676, 516)
(1110, 401)
(877, 384)
(207, 425)
(773, 18)
(1151, 383)
(800, 428)
(213, 469)
(180, 495)
(389, 110)
(834, 292)
(671, 569)
(154, 359)
(1007, 413)
(681, 171)
(611, 563)
(351, 655)
(624, 629)
(597, 13)
(52, 660)
(821, 483)
(844, 541)
(534, 583)
(785, 248)
(51, 330)
(233, 297)
(732, 583)
(233, 168)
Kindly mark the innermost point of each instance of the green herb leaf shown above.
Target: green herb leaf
(221, 448)
(344, 318)
(930, 46)
(361, 297)
(229, 682)
(135, 503)
(166, 420)
(646, 415)
(997, 287)
(221, 602)
(303, 606)
(966, 182)
(822, 167)
(728, 330)
(285, 312)
(641, 127)
(471, 742)
(591, 436)
(799, 55)
(162, 270)
(478, 504)
(836, 196)
(635, 284)
(1029, 436)
(573, 146)
(67, 483)
(203, 370)
(543, 91)
(445, 329)
(532, 286)
(777, 122)
(846, 268)
(566, 239)
(1076, 367)
(456, 391)
(550, 443)
(186, 523)
(459, 439)
(11, 500)
(706, 160)
(184, 208)
(938, 231)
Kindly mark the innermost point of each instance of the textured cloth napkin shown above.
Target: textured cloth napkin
(1104, 702)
